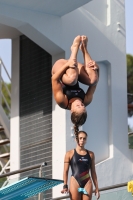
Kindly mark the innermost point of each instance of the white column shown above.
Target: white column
(15, 128)
(58, 139)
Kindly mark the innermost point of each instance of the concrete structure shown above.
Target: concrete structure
(53, 28)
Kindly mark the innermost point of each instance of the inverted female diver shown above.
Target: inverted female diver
(65, 77)
(82, 163)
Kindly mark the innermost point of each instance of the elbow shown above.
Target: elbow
(93, 172)
(94, 80)
(53, 79)
(66, 172)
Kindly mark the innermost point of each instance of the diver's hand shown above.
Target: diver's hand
(97, 194)
(65, 191)
(72, 63)
(92, 64)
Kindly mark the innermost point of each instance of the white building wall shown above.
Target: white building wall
(103, 21)
(58, 138)
(107, 121)
(107, 114)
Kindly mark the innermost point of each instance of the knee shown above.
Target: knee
(73, 79)
(70, 78)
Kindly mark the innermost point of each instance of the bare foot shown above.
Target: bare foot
(83, 44)
(76, 42)
(75, 48)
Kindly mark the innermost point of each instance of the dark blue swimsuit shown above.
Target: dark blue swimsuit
(73, 91)
(80, 165)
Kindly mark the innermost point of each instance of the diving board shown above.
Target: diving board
(27, 187)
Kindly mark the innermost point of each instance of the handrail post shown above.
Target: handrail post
(40, 195)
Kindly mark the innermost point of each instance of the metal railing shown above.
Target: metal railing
(101, 190)
(130, 133)
(25, 169)
(5, 104)
(40, 175)
(3, 84)
(40, 197)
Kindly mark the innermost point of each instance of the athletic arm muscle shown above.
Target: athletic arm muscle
(66, 168)
(94, 176)
(89, 94)
(59, 96)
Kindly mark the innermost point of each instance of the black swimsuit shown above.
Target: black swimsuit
(80, 165)
(73, 91)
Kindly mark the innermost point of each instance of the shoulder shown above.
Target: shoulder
(91, 153)
(61, 99)
(69, 154)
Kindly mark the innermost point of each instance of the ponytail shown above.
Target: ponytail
(76, 130)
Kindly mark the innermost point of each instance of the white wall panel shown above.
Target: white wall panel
(97, 124)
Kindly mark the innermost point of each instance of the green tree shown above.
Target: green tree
(130, 81)
(7, 97)
(129, 73)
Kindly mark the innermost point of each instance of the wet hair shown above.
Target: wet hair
(77, 132)
(78, 119)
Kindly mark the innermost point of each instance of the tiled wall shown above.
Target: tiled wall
(35, 108)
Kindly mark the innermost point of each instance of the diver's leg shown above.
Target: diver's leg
(70, 77)
(89, 71)
(89, 188)
(73, 190)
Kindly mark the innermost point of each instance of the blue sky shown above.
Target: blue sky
(129, 26)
